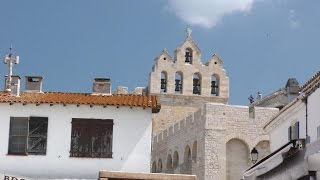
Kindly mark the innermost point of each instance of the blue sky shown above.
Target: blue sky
(262, 42)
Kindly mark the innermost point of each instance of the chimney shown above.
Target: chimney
(101, 86)
(140, 91)
(15, 85)
(34, 84)
(292, 86)
(122, 90)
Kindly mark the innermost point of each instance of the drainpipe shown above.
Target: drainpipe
(307, 136)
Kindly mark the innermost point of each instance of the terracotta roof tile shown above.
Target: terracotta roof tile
(312, 84)
(83, 99)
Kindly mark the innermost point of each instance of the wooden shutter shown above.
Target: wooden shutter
(289, 134)
(37, 139)
(91, 138)
(296, 126)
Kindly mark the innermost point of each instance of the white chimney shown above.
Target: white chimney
(101, 86)
(122, 90)
(34, 84)
(15, 85)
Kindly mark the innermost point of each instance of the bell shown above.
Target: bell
(163, 84)
(213, 87)
(178, 88)
(196, 90)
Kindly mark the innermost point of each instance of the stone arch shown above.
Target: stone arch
(241, 137)
(178, 82)
(263, 148)
(196, 83)
(194, 151)
(154, 167)
(187, 163)
(188, 54)
(169, 164)
(237, 156)
(175, 161)
(163, 82)
(215, 85)
(159, 169)
(260, 138)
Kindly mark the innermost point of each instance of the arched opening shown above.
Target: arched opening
(215, 85)
(178, 83)
(163, 85)
(175, 162)
(197, 84)
(237, 155)
(188, 56)
(194, 151)
(154, 167)
(263, 148)
(159, 166)
(169, 164)
(187, 164)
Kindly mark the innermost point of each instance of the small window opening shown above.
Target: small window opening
(31, 79)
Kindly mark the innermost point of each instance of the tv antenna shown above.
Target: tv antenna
(10, 59)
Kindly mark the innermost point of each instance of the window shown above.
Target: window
(293, 131)
(28, 135)
(91, 138)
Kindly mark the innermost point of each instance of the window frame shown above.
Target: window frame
(27, 151)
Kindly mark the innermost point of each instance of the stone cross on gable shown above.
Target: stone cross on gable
(188, 31)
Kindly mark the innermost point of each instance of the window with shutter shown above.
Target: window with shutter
(91, 138)
(28, 135)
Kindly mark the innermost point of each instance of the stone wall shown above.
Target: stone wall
(175, 107)
(178, 138)
(212, 126)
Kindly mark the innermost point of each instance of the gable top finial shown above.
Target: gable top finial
(188, 31)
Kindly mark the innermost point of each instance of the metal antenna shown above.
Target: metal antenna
(10, 59)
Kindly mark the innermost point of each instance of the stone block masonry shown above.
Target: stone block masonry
(197, 144)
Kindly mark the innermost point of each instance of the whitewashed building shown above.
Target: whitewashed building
(294, 139)
(73, 135)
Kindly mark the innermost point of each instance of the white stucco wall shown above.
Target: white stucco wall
(313, 114)
(278, 129)
(131, 141)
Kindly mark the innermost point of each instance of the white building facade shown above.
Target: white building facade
(74, 135)
(294, 139)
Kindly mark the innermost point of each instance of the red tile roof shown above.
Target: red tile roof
(312, 84)
(83, 99)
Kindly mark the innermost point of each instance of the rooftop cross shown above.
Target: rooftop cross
(188, 31)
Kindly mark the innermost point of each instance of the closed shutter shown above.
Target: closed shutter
(37, 139)
(289, 134)
(296, 125)
(91, 138)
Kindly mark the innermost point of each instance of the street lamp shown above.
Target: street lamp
(254, 155)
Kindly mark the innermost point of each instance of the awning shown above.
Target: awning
(272, 161)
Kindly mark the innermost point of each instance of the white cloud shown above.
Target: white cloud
(207, 13)
(294, 23)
